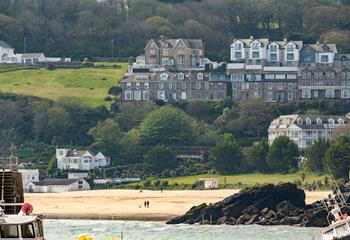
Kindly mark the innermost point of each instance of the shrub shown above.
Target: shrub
(156, 183)
(108, 99)
(147, 183)
(164, 184)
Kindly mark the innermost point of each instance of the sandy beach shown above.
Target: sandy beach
(128, 204)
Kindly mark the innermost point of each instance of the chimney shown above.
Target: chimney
(285, 40)
(318, 43)
(251, 37)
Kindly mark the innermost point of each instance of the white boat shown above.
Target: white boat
(22, 226)
(339, 229)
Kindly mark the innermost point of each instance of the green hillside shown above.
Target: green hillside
(88, 85)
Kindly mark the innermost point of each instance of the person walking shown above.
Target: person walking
(147, 203)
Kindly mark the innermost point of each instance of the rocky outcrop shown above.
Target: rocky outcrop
(282, 204)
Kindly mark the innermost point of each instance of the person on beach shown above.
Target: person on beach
(145, 204)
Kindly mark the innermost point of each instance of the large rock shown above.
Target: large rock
(266, 204)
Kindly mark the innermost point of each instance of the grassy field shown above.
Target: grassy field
(244, 180)
(87, 85)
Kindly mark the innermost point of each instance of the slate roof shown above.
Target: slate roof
(78, 153)
(320, 47)
(283, 44)
(247, 42)
(171, 43)
(52, 181)
(5, 45)
(32, 55)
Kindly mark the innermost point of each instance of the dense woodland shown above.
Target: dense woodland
(76, 28)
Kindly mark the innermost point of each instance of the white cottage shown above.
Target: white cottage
(58, 185)
(28, 176)
(7, 53)
(82, 160)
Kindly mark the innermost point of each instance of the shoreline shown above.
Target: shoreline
(127, 205)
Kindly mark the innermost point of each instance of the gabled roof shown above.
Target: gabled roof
(340, 56)
(79, 153)
(248, 41)
(32, 55)
(283, 44)
(52, 181)
(320, 47)
(5, 45)
(172, 43)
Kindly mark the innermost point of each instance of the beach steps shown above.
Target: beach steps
(11, 190)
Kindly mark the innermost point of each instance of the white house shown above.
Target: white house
(31, 58)
(28, 176)
(7, 53)
(80, 160)
(58, 185)
(304, 130)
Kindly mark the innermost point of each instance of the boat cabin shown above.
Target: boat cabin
(339, 230)
(21, 227)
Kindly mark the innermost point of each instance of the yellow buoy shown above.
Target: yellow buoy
(82, 237)
(89, 238)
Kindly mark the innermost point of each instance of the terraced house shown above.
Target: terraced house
(276, 71)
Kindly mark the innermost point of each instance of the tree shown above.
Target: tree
(338, 157)
(316, 154)
(256, 156)
(282, 156)
(159, 159)
(226, 155)
(59, 122)
(255, 115)
(168, 126)
(107, 135)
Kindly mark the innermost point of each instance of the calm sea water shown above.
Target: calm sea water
(103, 230)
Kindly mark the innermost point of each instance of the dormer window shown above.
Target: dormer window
(340, 121)
(290, 48)
(255, 50)
(200, 76)
(180, 52)
(152, 51)
(255, 46)
(308, 121)
(319, 121)
(300, 121)
(164, 77)
(181, 76)
(331, 121)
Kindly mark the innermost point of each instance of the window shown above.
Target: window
(198, 85)
(290, 56)
(307, 58)
(197, 95)
(269, 96)
(269, 85)
(238, 55)
(146, 86)
(331, 121)
(273, 48)
(161, 85)
(164, 76)
(180, 51)
(180, 60)
(161, 95)
(152, 51)
(319, 121)
(345, 93)
(255, 54)
(128, 85)
(183, 95)
(306, 93)
(329, 93)
(206, 85)
(290, 86)
(183, 85)
(308, 121)
(255, 46)
(181, 76)
(290, 96)
(256, 86)
(145, 95)
(200, 76)
(141, 77)
(273, 56)
(238, 46)
(128, 95)
(256, 94)
(290, 48)
(340, 121)
(170, 85)
(165, 52)
(174, 85)
(324, 58)
(280, 86)
(137, 86)
(137, 95)
(300, 121)
(237, 77)
(9, 231)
